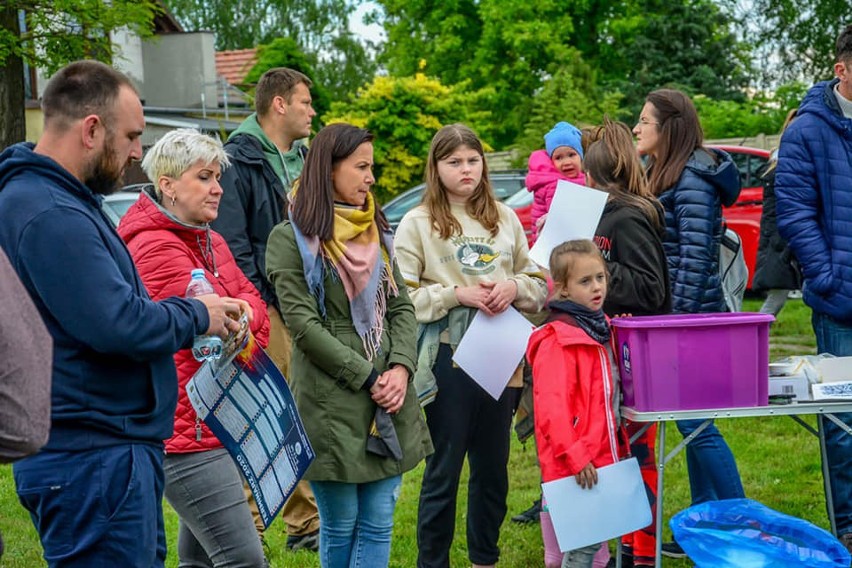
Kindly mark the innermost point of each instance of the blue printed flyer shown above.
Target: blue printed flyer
(245, 401)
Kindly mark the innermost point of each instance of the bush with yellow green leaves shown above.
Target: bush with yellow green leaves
(404, 113)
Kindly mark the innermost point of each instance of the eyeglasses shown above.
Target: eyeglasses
(646, 122)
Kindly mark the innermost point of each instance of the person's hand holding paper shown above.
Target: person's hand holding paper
(574, 214)
(492, 347)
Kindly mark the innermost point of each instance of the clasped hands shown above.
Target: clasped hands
(389, 389)
(490, 297)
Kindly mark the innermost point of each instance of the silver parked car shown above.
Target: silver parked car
(116, 204)
(505, 184)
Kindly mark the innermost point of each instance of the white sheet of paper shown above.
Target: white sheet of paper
(492, 347)
(574, 214)
(616, 506)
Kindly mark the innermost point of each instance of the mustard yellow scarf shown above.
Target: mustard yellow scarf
(361, 256)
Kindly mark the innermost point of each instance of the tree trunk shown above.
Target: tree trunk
(13, 127)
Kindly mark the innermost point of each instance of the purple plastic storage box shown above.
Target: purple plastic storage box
(694, 361)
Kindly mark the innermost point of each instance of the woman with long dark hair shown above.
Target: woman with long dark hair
(692, 183)
(776, 271)
(354, 332)
(629, 236)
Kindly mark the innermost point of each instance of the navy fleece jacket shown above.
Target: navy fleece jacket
(114, 378)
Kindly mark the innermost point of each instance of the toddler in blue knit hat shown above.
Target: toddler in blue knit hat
(562, 158)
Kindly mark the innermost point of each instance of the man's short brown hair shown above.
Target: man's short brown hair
(80, 89)
(277, 82)
(843, 49)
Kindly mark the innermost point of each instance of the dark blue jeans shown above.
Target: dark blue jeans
(712, 470)
(836, 338)
(96, 508)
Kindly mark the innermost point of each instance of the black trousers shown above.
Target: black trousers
(464, 420)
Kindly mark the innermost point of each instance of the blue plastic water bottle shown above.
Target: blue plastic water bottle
(205, 346)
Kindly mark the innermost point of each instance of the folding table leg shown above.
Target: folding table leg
(826, 476)
(661, 465)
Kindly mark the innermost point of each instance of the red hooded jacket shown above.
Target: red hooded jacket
(165, 251)
(573, 392)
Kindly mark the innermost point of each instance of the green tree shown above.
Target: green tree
(404, 113)
(730, 119)
(635, 46)
(571, 95)
(795, 40)
(690, 45)
(760, 114)
(284, 52)
(52, 33)
(320, 29)
(503, 44)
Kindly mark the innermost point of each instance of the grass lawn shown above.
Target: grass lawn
(778, 461)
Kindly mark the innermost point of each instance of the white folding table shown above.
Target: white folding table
(823, 409)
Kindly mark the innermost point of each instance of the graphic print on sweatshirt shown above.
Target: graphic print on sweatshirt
(475, 254)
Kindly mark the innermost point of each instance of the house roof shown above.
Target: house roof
(235, 64)
(164, 21)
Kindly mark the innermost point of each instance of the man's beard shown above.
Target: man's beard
(105, 173)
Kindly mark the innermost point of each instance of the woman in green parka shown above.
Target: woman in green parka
(354, 334)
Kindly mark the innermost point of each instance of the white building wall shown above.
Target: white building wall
(128, 57)
(179, 68)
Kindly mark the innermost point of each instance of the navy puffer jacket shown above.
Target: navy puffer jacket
(813, 186)
(693, 208)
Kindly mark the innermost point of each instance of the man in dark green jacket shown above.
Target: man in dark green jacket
(267, 155)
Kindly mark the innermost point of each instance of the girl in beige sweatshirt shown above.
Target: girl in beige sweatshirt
(460, 251)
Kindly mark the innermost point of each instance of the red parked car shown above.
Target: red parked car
(743, 216)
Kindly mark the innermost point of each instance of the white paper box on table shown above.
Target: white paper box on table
(616, 506)
(796, 385)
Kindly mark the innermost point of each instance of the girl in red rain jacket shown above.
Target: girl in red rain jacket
(575, 392)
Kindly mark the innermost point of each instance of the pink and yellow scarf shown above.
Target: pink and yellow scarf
(361, 256)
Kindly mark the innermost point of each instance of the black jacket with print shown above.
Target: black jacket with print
(638, 275)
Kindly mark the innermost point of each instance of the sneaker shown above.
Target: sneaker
(308, 541)
(531, 515)
(846, 540)
(626, 562)
(673, 550)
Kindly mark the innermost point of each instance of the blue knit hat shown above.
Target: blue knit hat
(563, 134)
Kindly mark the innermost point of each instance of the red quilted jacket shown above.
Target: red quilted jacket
(165, 252)
(573, 390)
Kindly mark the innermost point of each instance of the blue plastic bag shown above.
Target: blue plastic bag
(741, 533)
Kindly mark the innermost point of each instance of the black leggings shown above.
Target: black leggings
(464, 420)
